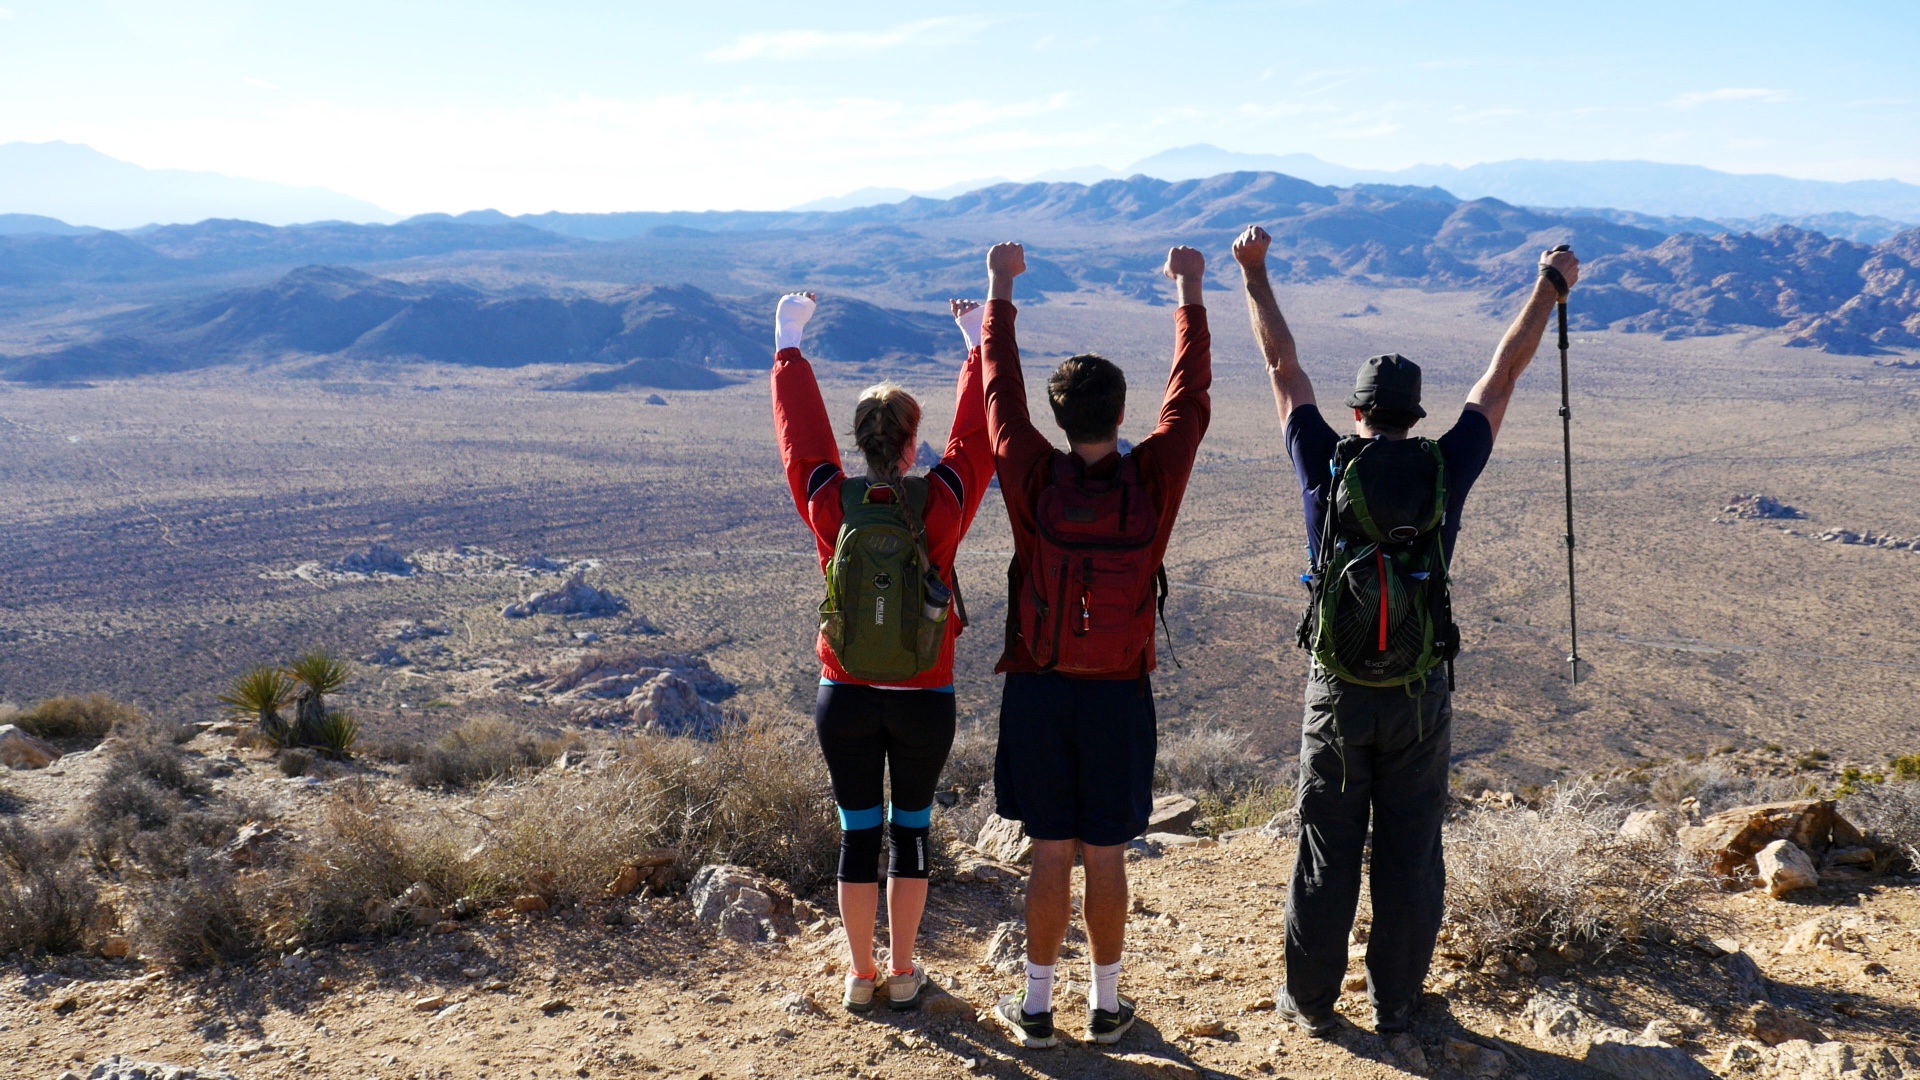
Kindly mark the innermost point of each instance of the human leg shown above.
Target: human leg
(1408, 872)
(1325, 889)
(919, 728)
(847, 723)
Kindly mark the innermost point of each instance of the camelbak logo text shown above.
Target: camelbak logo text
(879, 611)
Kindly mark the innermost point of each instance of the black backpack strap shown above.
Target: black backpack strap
(1160, 603)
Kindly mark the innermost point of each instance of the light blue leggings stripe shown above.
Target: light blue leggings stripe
(912, 819)
(851, 820)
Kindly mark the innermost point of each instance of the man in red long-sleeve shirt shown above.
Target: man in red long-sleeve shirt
(1090, 527)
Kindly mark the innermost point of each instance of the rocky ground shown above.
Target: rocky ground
(664, 985)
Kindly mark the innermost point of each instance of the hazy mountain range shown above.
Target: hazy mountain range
(78, 186)
(1867, 210)
(81, 185)
(492, 290)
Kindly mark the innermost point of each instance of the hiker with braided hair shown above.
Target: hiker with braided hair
(885, 705)
(1383, 510)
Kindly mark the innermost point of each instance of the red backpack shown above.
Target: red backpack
(1085, 600)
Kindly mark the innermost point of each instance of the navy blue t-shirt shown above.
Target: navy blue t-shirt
(1310, 442)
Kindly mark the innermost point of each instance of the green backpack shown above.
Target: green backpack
(1381, 613)
(885, 615)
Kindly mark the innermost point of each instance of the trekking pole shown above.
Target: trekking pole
(1566, 458)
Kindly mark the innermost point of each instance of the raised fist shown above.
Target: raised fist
(1007, 260)
(1564, 261)
(1185, 262)
(790, 319)
(1250, 248)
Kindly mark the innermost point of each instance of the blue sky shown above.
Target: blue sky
(603, 106)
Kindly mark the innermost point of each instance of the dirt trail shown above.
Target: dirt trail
(570, 995)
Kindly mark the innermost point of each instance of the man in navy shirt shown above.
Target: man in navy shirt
(1366, 751)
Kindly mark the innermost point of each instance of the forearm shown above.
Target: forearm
(1291, 387)
(1187, 288)
(999, 286)
(1517, 347)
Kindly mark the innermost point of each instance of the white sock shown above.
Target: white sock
(970, 324)
(1039, 989)
(1106, 987)
(790, 317)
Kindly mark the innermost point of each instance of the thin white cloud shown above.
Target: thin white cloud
(1730, 93)
(6, 13)
(261, 83)
(788, 44)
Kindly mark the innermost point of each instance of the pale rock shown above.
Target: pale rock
(1172, 814)
(1624, 1054)
(575, 597)
(21, 750)
(1177, 840)
(1850, 856)
(115, 947)
(1006, 949)
(1819, 932)
(1730, 839)
(1412, 1056)
(1205, 1028)
(527, 903)
(1657, 827)
(1354, 983)
(1749, 983)
(1783, 867)
(1774, 1026)
(1557, 1021)
(1665, 1031)
(1475, 1060)
(1152, 1065)
(1005, 841)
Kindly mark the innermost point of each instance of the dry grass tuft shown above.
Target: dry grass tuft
(88, 718)
(1522, 879)
(481, 749)
(1208, 759)
(1890, 812)
(196, 917)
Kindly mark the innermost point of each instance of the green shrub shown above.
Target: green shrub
(335, 734)
(88, 718)
(1905, 768)
(258, 696)
(1245, 807)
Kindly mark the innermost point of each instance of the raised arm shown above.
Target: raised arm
(969, 450)
(1186, 408)
(808, 450)
(1017, 445)
(1490, 395)
(1291, 387)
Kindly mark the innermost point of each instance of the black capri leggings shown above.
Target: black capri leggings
(866, 734)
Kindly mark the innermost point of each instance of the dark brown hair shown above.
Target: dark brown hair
(1389, 421)
(1088, 393)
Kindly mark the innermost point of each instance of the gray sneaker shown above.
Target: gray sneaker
(905, 991)
(859, 995)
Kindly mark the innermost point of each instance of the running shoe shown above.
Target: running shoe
(1035, 1031)
(859, 996)
(1106, 1027)
(905, 991)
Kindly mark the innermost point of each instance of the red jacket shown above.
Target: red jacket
(1024, 457)
(811, 455)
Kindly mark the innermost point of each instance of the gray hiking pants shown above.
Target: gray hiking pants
(1379, 752)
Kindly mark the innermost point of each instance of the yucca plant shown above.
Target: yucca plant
(318, 674)
(259, 695)
(335, 734)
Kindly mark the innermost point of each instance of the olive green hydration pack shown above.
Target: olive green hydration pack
(885, 615)
(1381, 613)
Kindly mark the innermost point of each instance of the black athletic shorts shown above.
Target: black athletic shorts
(1075, 760)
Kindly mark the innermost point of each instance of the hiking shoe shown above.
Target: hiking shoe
(1035, 1032)
(1106, 1027)
(859, 995)
(1320, 1025)
(905, 991)
(1393, 1021)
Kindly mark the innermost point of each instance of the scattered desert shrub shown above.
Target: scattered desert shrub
(1250, 805)
(294, 762)
(1523, 879)
(1208, 758)
(482, 748)
(1717, 785)
(46, 897)
(365, 853)
(88, 718)
(1905, 768)
(1890, 813)
(196, 917)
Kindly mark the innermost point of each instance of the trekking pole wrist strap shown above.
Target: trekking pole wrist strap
(1556, 279)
